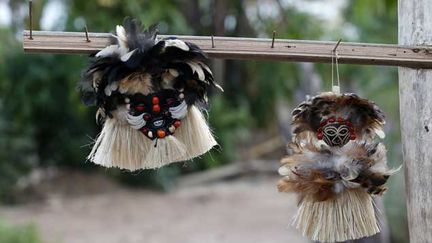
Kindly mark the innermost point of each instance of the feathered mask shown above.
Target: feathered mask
(337, 119)
(335, 165)
(148, 93)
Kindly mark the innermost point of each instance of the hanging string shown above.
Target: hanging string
(337, 68)
(334, 61)
(332, 69)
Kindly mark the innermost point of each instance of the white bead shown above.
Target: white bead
(150, 134)
(127, 100)
(181, 96)
(107, 90)
(172, 129)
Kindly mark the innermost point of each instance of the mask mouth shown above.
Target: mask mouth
(158, 123)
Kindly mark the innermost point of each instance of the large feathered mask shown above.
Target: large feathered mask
(149, 94)
(335, 166)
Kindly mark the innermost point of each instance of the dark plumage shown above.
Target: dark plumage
(365, 116)
(165, 64)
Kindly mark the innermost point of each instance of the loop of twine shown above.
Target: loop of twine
(334, 60)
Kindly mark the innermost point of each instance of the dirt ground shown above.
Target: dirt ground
(242, 210)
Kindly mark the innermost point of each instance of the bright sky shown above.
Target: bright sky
(326, 9)
(54, 15)
(5, 13)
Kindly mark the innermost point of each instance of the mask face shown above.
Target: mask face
(336, 132)
(158, 114)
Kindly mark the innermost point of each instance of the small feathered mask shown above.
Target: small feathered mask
(335, 165)
(148, 95)
(337, 119)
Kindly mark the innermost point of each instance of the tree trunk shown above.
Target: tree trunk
(415, 94)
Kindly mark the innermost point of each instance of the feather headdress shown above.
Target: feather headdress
(335, 166)
(148, 94)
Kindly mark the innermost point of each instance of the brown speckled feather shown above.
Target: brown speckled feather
(365, 115)
(324, 172)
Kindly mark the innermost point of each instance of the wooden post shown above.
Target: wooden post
(415, 92)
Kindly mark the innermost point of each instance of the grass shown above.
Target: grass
(18, 234)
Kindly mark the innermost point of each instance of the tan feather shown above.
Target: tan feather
(136, 83)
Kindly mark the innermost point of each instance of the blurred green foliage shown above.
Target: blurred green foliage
(18, 234)
(43, 122)
(17, 147)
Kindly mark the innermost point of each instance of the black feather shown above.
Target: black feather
(151, 57)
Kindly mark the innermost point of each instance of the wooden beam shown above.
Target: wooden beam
(249, 48)
(415, 94)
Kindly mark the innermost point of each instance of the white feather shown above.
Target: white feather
(122, 40)
(107, 90)
(114, 86)
(380, 133)
(126, 56)
(205, 67)
(120, 49)
(219, 87)
(173, 72)
(177, 43)
(121, 33)
(108, 51)
(392, 171)
(100, 114)
(350, 184)
(197, 69)
(123, 51)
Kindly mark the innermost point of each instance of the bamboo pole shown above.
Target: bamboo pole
(249, 48)
(415, 93)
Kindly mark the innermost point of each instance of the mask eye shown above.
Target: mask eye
(147, 117)
(139, 107)
(343, 131)
(170, 101)
(331, 131)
